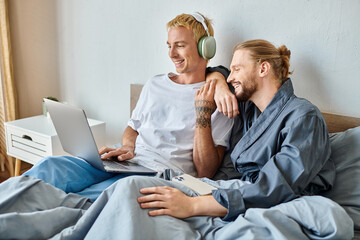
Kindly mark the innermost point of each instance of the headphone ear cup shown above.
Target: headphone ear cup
(207, 47)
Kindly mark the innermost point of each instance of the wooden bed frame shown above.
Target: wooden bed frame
(335, 122)
(340, 123)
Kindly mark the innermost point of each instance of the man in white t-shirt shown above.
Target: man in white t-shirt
(164, 120)
(162, 125)
(174, 125)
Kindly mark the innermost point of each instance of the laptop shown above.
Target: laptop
(76, 138)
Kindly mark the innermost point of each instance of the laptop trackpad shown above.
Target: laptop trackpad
(109, 164)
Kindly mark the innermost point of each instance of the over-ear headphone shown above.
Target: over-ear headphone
(207, 44)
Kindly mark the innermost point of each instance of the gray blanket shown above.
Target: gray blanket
(32, 209)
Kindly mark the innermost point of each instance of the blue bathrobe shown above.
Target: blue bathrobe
(283, 153)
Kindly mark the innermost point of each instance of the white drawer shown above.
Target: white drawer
(26, 144)
(31, 139)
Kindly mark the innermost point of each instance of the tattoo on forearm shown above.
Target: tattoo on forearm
(203, 122)
(204, 109)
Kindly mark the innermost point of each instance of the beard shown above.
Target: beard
(248, 89)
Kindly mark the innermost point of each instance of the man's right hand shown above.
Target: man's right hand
(123, 153)
(226, 101)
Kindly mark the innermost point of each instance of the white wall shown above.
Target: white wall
(87, 52)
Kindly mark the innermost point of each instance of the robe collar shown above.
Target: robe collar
(265, 120)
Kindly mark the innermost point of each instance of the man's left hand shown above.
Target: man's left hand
(166, 201)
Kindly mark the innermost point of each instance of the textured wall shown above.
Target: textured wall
(87, 52)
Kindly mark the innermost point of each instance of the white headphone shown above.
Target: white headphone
(207, 44)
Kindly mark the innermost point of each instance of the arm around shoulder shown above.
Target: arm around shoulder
(225, 100)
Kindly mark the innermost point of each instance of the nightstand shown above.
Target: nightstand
(31, 139)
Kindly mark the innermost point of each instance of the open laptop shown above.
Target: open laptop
(77, 139)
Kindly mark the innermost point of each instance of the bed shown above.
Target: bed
(345, 151)
(334, 215)
(345, 145)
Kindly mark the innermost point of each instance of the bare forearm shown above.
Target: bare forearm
(206, 158)
(207, 206)
(226, 102)
(129, 137)
(215, 76)
(219, 80)
(205, 154)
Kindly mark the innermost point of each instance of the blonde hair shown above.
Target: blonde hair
(189, 22)
(262, 50)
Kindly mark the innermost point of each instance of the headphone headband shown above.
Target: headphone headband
(201, 20)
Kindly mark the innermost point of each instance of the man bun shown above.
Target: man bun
(262, 50)
(284, 53)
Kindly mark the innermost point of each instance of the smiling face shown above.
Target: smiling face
(183, 51)
(243, 76)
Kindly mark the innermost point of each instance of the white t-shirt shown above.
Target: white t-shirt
(165, 117)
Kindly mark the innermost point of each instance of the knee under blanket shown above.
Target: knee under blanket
(34, 209)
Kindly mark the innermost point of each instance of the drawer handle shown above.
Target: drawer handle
(27, 137)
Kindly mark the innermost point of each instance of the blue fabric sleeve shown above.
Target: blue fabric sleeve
(287, 174)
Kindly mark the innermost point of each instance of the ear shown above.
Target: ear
(264, 69)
